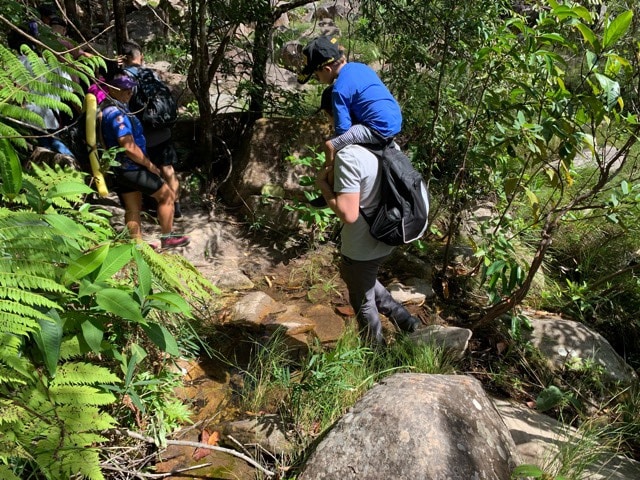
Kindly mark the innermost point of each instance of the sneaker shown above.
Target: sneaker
(173, 240)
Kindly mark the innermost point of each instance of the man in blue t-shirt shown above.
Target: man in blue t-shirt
(136, 174)
(358, 97)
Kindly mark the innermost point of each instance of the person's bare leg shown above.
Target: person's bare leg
(169, 176)
(132, 207)
(165, 199)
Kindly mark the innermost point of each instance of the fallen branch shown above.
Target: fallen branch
(186, 443)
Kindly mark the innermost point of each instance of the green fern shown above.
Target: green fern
(57, 257)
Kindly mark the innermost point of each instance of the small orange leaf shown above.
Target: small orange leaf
(205, 437)
(346, 310)
(213, 439)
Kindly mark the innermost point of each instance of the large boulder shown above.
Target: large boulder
(415, 426)
(563, 342)
(262, 159)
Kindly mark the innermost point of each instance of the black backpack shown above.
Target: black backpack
(152, 101)
(403, 211)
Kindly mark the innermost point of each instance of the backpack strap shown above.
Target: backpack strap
(133, 70)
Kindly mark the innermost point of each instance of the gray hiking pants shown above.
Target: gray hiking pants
(368, 297)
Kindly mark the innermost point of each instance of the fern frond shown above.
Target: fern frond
(78, 373)
(22, 325)
(174, 272)
(5, 472)
(79, 395)
(11, 413)
(32, 282)
(13, 366)
(11, 133)
(28, 298)
(92, 419)
(70, 347)
(8, 377)
(72, 462)
(22, 115)
(27, 266)
(7, 308)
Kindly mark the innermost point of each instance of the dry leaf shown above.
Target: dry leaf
(213, 439)
(346, 310)
(209, 439)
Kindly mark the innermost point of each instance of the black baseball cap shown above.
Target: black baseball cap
(319, 52)
(56, 20)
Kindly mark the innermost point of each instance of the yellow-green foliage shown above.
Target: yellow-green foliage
(58, 258)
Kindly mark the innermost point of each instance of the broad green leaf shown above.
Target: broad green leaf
(617, 28)
(611, 90)
(93, 333)
(67, 189)
(583, 13)
(496, 266)
(86, 264)
(144, 275)
(65, 225)
(170, 302)
(534, 202)
(589, 36)
(624, 186)
(117, 258)
(555, 37)
(592, 60)
(10, 169)
(549, 398)
(120, 303)
(48, 340)
(162, 338)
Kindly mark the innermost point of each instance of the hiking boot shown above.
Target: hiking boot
(409, 325)
(416, 323)
(173, 240)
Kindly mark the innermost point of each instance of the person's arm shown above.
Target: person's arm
(135, 153)
(356, 134)
(345, 205)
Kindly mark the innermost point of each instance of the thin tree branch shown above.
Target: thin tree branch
(187, 443)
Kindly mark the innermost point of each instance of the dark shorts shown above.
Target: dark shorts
(126, 181)
(163, 154)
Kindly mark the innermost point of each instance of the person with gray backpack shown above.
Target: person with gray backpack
(157, 110)
(354, 188)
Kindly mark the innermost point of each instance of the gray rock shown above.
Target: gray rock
(453, 339)
(416, 291)
(267, 431)
(414, 426)
(261, 161)
(540, 438)
(562, 341)
(254, 307)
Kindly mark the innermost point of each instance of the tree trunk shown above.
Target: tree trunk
(120, 19)
(260, 54)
